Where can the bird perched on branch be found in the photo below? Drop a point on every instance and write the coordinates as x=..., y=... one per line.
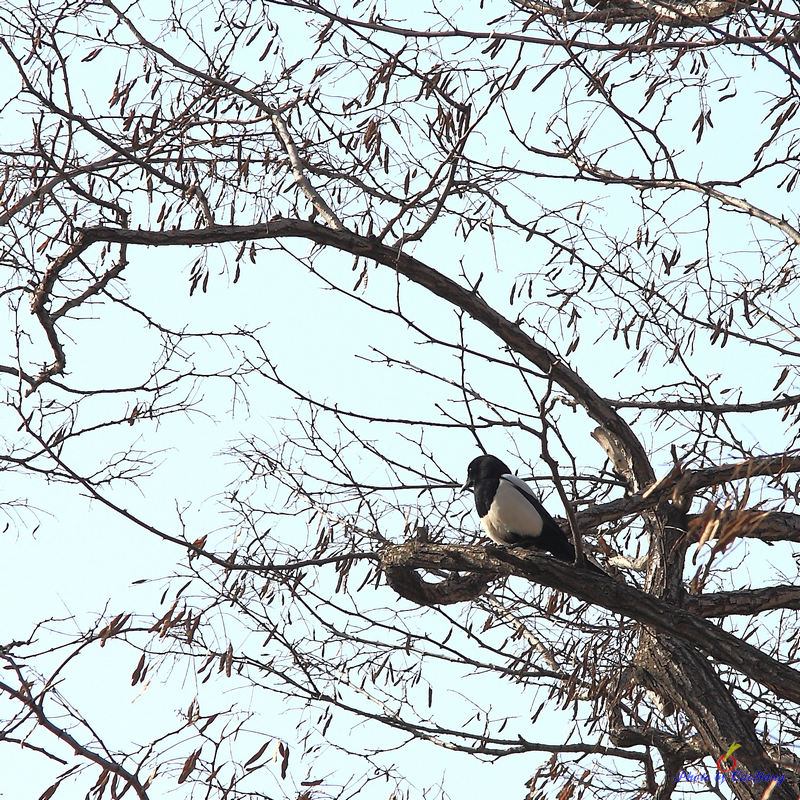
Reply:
x=511, y=513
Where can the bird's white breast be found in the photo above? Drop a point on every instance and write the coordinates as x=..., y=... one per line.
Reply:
x=511, y=512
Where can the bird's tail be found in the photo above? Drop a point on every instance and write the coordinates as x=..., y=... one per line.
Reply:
x=564, y=551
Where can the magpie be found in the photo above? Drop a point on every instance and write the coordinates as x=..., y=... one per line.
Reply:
x=511, y=513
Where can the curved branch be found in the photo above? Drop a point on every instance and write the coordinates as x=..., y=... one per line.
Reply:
x=409, y=584
x=417, y=272
x=662, y=617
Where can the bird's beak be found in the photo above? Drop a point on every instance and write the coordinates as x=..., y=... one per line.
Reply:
x=467, y=485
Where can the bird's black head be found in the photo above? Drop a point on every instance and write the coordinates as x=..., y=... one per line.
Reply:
x=483, y=468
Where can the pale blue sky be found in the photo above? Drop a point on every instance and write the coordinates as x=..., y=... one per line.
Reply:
x=82, y=557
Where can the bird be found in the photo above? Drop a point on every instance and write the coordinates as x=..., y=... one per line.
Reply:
x=511, y=513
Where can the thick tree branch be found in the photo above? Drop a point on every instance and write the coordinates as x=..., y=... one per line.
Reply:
x=744, y=601
x=660, y=616
x=686, y=481
x=684, y=676
x=786, y=401
x=417, y=272
x=768, y=526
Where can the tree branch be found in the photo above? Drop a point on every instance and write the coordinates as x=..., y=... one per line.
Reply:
x=744, y=601
x=620, y=598
x=112, y=766
x=417, y=272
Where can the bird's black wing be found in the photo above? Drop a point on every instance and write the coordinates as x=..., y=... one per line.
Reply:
x=552, y=538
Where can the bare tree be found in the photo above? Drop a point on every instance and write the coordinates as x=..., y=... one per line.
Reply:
x=564, y=233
